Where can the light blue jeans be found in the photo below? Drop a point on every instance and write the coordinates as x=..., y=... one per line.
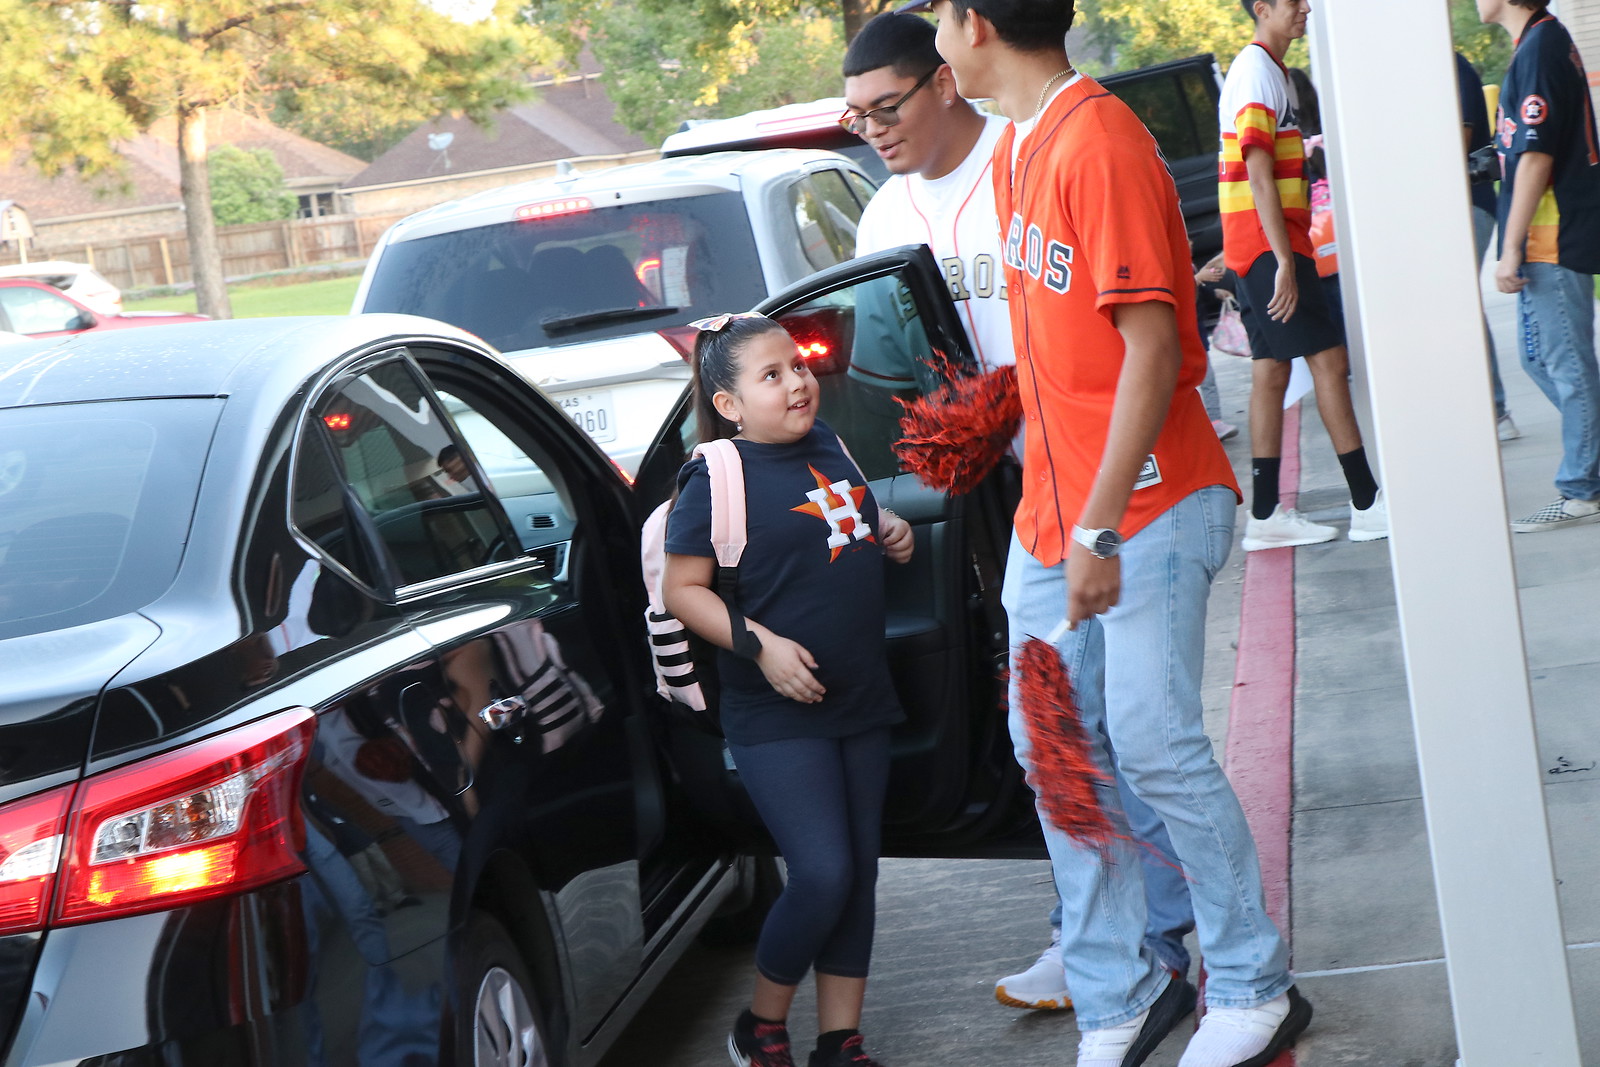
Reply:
x=1557, y=311
x=1482, y=230
x=1135, y=673
x=1169, y=914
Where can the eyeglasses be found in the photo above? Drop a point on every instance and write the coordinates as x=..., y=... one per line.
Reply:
x=717, y=322
x=888, y=115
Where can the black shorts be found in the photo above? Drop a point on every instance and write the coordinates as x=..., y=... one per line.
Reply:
x=1312, y=328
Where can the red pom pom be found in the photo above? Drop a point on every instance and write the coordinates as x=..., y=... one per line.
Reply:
x=952, y=437
x=1064, y=776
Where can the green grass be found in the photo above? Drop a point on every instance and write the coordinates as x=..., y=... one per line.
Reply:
x=325, y=296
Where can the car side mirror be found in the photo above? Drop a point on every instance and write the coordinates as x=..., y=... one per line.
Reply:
x=85, y=320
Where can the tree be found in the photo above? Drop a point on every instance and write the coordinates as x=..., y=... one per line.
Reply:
x=248, y=187
x=98, y=70
x=1488, y=47
x=669, y=60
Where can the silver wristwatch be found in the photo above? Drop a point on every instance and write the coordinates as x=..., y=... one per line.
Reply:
x=1102, y=543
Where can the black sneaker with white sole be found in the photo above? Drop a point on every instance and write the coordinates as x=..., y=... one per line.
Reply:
x=755, y=1042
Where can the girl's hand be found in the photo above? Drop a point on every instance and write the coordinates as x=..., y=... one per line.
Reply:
x=895, y=536
x=787, y=667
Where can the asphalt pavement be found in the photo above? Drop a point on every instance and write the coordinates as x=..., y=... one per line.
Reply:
x=1355, y=879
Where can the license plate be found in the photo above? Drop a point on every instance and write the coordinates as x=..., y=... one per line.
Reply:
x=593, y=413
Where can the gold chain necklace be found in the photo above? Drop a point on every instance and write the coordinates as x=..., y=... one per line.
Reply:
x=1046, y=90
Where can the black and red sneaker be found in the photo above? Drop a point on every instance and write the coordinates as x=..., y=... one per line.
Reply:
x=755, y=1042
x=849, y=1054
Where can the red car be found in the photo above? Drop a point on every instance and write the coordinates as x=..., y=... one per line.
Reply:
x=40, y=310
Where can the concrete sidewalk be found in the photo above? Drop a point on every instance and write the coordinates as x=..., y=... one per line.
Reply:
x=1363, y=922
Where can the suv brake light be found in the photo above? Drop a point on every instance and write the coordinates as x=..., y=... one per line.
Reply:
x=569, y=205
x=217, y=817
x=682, y=338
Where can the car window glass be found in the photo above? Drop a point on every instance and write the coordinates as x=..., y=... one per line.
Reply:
x=95, y=504
x=862, y=188
x=814, y=219
x=537, y=506
x=323, y=512
x=841, y=209
x=409, y=475
x=1164, y=106
x=867, y=346
x=37, y=311
x=579, y=273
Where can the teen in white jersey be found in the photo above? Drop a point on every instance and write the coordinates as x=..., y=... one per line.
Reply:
x=939, y=151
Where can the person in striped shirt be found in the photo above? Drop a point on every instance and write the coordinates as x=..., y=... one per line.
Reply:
x=1265, y=202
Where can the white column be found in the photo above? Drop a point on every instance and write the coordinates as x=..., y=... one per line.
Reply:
x=1407, y=261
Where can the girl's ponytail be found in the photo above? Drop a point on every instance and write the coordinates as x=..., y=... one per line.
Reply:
x=716, y=368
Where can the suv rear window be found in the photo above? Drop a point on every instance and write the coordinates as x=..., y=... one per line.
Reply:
x=608, y=271
x=95, y=502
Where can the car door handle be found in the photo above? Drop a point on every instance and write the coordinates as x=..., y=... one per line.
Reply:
x=503, y=713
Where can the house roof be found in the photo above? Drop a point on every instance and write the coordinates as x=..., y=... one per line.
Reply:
x=151, y=175
x=567, y=118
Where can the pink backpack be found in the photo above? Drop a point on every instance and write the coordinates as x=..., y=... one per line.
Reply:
x=685, y=665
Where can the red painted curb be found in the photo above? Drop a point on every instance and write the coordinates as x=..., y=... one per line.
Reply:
x=1259, y=757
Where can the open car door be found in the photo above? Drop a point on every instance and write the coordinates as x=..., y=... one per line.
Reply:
x=869, y=329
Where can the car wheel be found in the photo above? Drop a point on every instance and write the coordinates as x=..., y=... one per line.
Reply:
x=764, y=880
x=499, y=1023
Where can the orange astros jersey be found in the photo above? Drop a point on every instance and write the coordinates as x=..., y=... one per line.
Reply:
x=1091, y=220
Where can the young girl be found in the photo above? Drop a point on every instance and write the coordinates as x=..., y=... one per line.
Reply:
x=807, y=701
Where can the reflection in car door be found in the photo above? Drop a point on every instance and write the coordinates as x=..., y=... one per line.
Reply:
x=501, y=746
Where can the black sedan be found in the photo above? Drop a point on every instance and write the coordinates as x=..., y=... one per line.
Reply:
x=327, y=731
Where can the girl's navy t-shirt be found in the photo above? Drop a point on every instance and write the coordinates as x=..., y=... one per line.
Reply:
x=812, y=571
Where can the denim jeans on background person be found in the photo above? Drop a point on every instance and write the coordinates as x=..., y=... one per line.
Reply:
x=1136, y=680
x=1557, y=312
x=1482, y=230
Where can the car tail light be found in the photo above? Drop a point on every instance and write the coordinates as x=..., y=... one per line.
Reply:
x=217, y=817
x=681, y=338
x=569, y=205
x=813, y=350
x=31, y=836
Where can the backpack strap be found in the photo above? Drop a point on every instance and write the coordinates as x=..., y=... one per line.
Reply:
x=729, y=534
x=728, y=525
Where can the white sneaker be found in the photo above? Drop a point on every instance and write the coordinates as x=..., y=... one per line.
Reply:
x=1285, y=528
x=1111, y=1045
x=1371, y=524
x=1505, y=429
x=1042, y=987
x=1563, y=512
x=1248, y=1037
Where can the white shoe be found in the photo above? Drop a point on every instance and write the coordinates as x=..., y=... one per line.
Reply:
x=1042, y=987
x=1248, y=1037
x=1371, y=524
x=1563, y=512
x=1505, y=429
x=1285, y=528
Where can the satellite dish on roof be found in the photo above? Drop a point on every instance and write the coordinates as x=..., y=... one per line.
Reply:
x=440, y=141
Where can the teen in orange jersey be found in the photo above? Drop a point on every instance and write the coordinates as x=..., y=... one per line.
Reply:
x=1127, y=515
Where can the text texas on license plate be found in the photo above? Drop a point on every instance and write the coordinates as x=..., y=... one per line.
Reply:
x=593, y=413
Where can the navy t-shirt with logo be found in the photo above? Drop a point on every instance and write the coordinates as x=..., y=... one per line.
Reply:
x=1545, y=107
x=812, y=571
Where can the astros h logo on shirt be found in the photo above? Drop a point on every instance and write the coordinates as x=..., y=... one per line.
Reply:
x=839, y=505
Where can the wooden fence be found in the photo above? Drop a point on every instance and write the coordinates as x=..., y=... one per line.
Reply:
x=253, y=248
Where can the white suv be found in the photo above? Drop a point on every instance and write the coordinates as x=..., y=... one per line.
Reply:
x=586, y=283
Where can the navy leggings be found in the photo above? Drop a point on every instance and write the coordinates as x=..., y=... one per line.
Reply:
x=822, y=800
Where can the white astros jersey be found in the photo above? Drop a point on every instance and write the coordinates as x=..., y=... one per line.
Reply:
x=954, y=216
